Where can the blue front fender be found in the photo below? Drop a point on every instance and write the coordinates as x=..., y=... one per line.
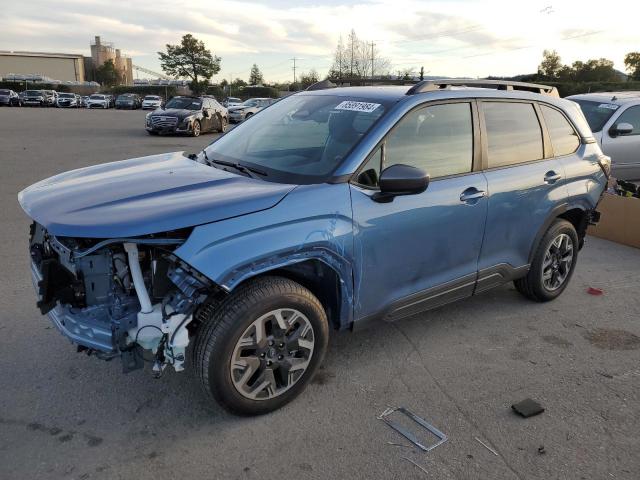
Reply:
x=297, y=229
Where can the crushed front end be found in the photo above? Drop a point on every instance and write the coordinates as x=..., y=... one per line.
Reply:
x=118, y=297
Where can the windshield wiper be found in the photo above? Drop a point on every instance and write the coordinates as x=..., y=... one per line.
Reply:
x=249, y=171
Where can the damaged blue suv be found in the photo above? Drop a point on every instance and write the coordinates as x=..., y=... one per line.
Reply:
x=324, y=211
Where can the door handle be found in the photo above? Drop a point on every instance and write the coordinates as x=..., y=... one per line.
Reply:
x=471, y=194
x=551, y=177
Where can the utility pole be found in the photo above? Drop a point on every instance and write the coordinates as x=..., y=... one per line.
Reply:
x=340, y=48
x=294, y=69
x=372, y=68
x=351, y=67
x=421, y=73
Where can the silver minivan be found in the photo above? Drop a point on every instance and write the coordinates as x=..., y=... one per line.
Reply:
x=614, y=118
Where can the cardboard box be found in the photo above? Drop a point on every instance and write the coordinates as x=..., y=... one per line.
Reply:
x=619, y=220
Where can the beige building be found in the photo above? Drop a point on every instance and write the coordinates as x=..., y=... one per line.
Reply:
x=58, y=66
x=101, y=52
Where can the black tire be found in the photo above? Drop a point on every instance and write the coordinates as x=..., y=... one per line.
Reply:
x=151, y=132
x=532, y=285
x=225, y=323
x=248, y=115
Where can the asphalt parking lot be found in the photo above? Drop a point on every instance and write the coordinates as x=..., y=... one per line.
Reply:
x=64, y=415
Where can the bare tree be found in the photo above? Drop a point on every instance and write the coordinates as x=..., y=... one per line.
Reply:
x=357, y=58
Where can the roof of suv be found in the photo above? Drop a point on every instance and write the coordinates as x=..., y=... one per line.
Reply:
x=618, y=98
x=454, y=89
x=397, y=93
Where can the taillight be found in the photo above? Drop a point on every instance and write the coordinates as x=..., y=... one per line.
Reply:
x=605, y=164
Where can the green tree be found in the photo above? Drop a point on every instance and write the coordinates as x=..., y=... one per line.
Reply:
x=107, y=74
x=192, y=60
x=632, y=62
x=255, y=76
x=594, y=70
x=551, y=64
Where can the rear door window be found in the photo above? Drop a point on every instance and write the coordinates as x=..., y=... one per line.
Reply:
x=564, y=139
x=513, y=133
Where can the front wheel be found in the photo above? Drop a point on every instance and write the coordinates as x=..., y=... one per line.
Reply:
x=553, y=263
x=196, y=128
x=224, y=124
x=257, y=350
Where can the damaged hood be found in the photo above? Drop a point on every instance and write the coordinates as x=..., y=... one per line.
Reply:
x=144, y=195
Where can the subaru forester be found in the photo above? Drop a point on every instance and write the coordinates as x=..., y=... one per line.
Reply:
x=327, y=210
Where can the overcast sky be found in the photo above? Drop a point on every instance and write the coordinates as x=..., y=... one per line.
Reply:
x=452, y=38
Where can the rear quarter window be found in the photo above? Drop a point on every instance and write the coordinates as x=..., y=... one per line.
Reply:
x=513, y=133
x=563, y=137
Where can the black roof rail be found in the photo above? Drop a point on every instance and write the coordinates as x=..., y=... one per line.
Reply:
x=434, y=85
x=321, y=85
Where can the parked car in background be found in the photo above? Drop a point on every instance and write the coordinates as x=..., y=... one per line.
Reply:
x=51, y=97
x=248, y=108
x=128, y=100
x=10, y=98
x=231, y=102
x=98, y=100
x=34, y=98
x=68, y=100
x=188, y=115
x=614, y=118
x=330, y=209
x=151, y=102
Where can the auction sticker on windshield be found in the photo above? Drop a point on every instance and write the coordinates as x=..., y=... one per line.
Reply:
x=610, y=106
x=357, y=106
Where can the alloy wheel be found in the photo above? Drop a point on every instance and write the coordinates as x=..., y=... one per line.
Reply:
x=557, y=262
x=272, y=354
x=196, y=128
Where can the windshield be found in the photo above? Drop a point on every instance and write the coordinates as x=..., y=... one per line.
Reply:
x=151, y=97
x=184, y=103
x=250, y=103
x=597, y=113
x=125, y=97
x=66, y=95
x=33, y=92
x=5, y=92
x=300, y=139
x=97, y=97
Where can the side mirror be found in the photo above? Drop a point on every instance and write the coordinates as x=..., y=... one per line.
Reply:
x=621, y=129
x=399, y=180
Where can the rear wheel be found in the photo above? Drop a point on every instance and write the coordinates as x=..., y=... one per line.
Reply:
x=259, y=348
x=246, y=117
x=553, y=263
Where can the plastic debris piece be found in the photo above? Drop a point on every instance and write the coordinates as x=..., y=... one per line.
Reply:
x=416, y=464
x=595, y=291
x=409, y=435
x=486, y=446
x=527, y=408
